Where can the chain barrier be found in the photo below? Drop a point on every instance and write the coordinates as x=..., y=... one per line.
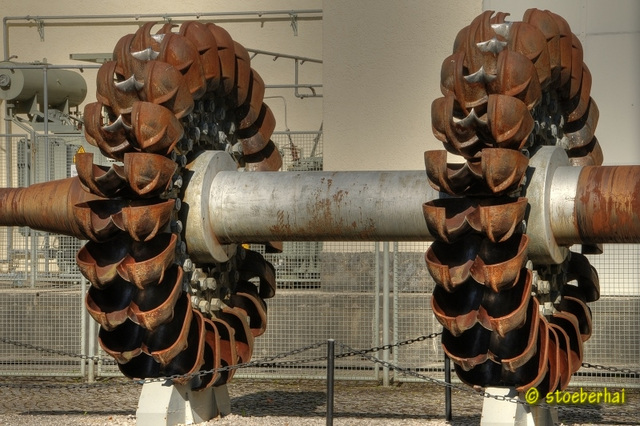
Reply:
x=388, y=346
x=273, y=361
x=410, y=372
x=266, y=362
x=54, y=351
x=611, y=369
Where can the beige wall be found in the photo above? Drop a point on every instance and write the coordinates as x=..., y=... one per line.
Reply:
x=80, y=35
x=382, y=71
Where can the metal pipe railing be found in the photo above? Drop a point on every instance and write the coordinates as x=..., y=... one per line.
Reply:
x=292, y=14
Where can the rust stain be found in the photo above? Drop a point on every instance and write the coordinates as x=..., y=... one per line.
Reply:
x=609, y=204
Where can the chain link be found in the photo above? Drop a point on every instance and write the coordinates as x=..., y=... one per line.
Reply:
x=354, y=352
x=266, y=362
x=612, y=369
x=55, y=351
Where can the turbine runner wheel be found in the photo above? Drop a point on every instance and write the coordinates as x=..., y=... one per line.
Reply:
x=509, y=88
x=165, y=99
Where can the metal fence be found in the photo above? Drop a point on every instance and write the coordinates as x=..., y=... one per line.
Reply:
x=41, y=290
x=361, y=294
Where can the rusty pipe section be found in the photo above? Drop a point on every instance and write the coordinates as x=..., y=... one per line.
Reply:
x=45, y=206
x=596, y=204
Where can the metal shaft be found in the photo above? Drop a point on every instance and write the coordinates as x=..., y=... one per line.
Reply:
x=320, y=206
x=601, y=206
x=585, y=205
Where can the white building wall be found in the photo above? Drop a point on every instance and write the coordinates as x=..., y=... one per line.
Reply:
x=381, y=72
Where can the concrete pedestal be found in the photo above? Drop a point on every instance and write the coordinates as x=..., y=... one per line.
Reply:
x=506, y=413
x=166, y=404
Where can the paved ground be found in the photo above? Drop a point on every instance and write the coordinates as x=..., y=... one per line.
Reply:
x=26, y=401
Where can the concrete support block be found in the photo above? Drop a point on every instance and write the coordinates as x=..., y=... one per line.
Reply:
x=166, y=404
x=507, y=413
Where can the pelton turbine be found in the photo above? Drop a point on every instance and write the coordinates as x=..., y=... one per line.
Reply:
x=180, y=112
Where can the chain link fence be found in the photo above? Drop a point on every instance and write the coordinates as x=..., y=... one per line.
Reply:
x=357, y=293
x=41, y=290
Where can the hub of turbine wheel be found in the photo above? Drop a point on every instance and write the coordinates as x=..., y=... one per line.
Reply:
x=510, y=90
x=166, y=100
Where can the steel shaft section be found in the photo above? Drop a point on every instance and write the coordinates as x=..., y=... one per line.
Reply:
x=320, y=206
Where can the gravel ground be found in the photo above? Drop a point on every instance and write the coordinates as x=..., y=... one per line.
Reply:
x=65, y=402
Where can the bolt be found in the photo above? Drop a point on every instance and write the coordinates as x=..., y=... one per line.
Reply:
x=187, y=265
x=196, y=133
x=547, y=309
x=204, y=306
x=210, y=283
x=234, y=277
x=176, y=226
x=222, y=136
x=194, y=301
x=543, y=287
x=536, y=127
x=215, y=305
x=178, y=181
x=197, y=277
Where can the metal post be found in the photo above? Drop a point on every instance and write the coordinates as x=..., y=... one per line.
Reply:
x=385, y=311
x=83, y=326
x=91, y=377
x=8, y=169
x=330, y=379
x=447, y=389
x=396, y=295
x=47, y=154
x=376, y=308
x=33, y=254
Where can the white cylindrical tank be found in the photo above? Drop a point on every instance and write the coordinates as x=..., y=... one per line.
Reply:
x=23, y=84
